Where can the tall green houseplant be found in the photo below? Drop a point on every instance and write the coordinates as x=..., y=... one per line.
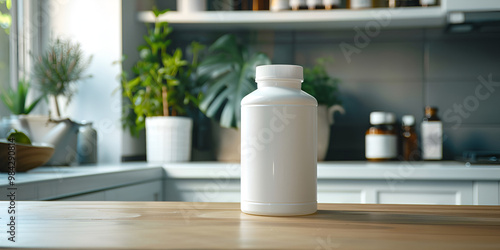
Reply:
x=59, y=68
x=229, y=73
x=161, y=86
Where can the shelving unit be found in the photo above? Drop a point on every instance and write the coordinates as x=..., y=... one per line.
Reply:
x=412, y=17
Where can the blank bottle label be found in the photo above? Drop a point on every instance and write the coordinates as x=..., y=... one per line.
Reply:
x=432, y=140
x=381, y=146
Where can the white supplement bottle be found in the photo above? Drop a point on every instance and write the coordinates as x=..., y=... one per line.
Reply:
x=278, y=145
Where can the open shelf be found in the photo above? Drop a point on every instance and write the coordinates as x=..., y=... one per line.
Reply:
x=410, y=17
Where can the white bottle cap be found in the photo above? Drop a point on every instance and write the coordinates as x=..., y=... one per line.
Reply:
x=377, y=118
x=278, y=71
x=408, y=120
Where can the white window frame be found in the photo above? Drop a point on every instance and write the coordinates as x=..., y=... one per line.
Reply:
x=25, y=38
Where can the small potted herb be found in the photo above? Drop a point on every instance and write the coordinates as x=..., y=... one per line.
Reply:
x=59, y=68
x=16, y=102
x=324, y=88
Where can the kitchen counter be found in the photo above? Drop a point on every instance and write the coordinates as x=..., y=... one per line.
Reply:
x=445, y=170
x=443, y=183
x=48, y=183
x=163, y=225
x=359, y=170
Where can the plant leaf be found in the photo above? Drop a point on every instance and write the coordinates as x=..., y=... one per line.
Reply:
x=228, y=78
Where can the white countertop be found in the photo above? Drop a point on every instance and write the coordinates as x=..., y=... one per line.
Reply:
x=361, y=170
x=118, y=174
x=45, y=173
x=48, y=183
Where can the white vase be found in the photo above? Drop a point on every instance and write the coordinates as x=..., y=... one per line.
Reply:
x=325, y=120
x=12, y=122
x=168, y=139
x=38, y=126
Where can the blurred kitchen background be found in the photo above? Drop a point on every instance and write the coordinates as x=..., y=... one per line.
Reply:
x=428, y=60
x=399, y=70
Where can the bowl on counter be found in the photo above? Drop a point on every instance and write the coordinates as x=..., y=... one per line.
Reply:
x=26, y=156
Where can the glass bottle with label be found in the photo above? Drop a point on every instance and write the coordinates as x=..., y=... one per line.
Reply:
x=432, y=135
x=409, y=140
x=381, y=140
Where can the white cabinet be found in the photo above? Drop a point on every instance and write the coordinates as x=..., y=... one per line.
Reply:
x=150, y=191
x=408, y=192
x=124, y=182
x=439, y=183
x=339, y=191
x=202, y=190
x=96, y=196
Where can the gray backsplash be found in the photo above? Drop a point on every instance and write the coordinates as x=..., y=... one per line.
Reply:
x=399, y=71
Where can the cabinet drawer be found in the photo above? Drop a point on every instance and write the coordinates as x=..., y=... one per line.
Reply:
x=202, y=190
x=403, y=192
x=149, y=191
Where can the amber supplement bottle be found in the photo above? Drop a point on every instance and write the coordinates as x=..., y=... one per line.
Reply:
x=432, y=135
x=260, y=4
x=380, y=139
x=409, y=139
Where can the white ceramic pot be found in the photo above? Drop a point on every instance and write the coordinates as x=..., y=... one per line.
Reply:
x=12, y=122
x=325, y=120
x=38, y=126
x=168, y=139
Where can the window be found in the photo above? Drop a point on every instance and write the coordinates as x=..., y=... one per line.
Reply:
x=19, y=38
x=5, y=27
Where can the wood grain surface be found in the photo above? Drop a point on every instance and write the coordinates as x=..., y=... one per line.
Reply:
x=180, y=225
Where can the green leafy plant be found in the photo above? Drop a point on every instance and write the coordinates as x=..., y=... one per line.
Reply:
x=16, y=101
x=319, y=84
x=5, y=18
x=59, y=67
x=163, y=85
x=229, y=72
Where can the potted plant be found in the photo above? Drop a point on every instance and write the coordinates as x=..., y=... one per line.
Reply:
x=158, y=98
x=228, y=71
x=324, y=88
x=59, y=68
x=16, y=102
x=57, y=71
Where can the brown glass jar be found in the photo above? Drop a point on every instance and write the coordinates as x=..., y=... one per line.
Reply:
x=380, y=138
x=260, y=5
x=432, y=135
x=409, y=139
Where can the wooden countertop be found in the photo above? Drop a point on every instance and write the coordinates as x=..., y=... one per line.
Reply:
x=161, y=225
